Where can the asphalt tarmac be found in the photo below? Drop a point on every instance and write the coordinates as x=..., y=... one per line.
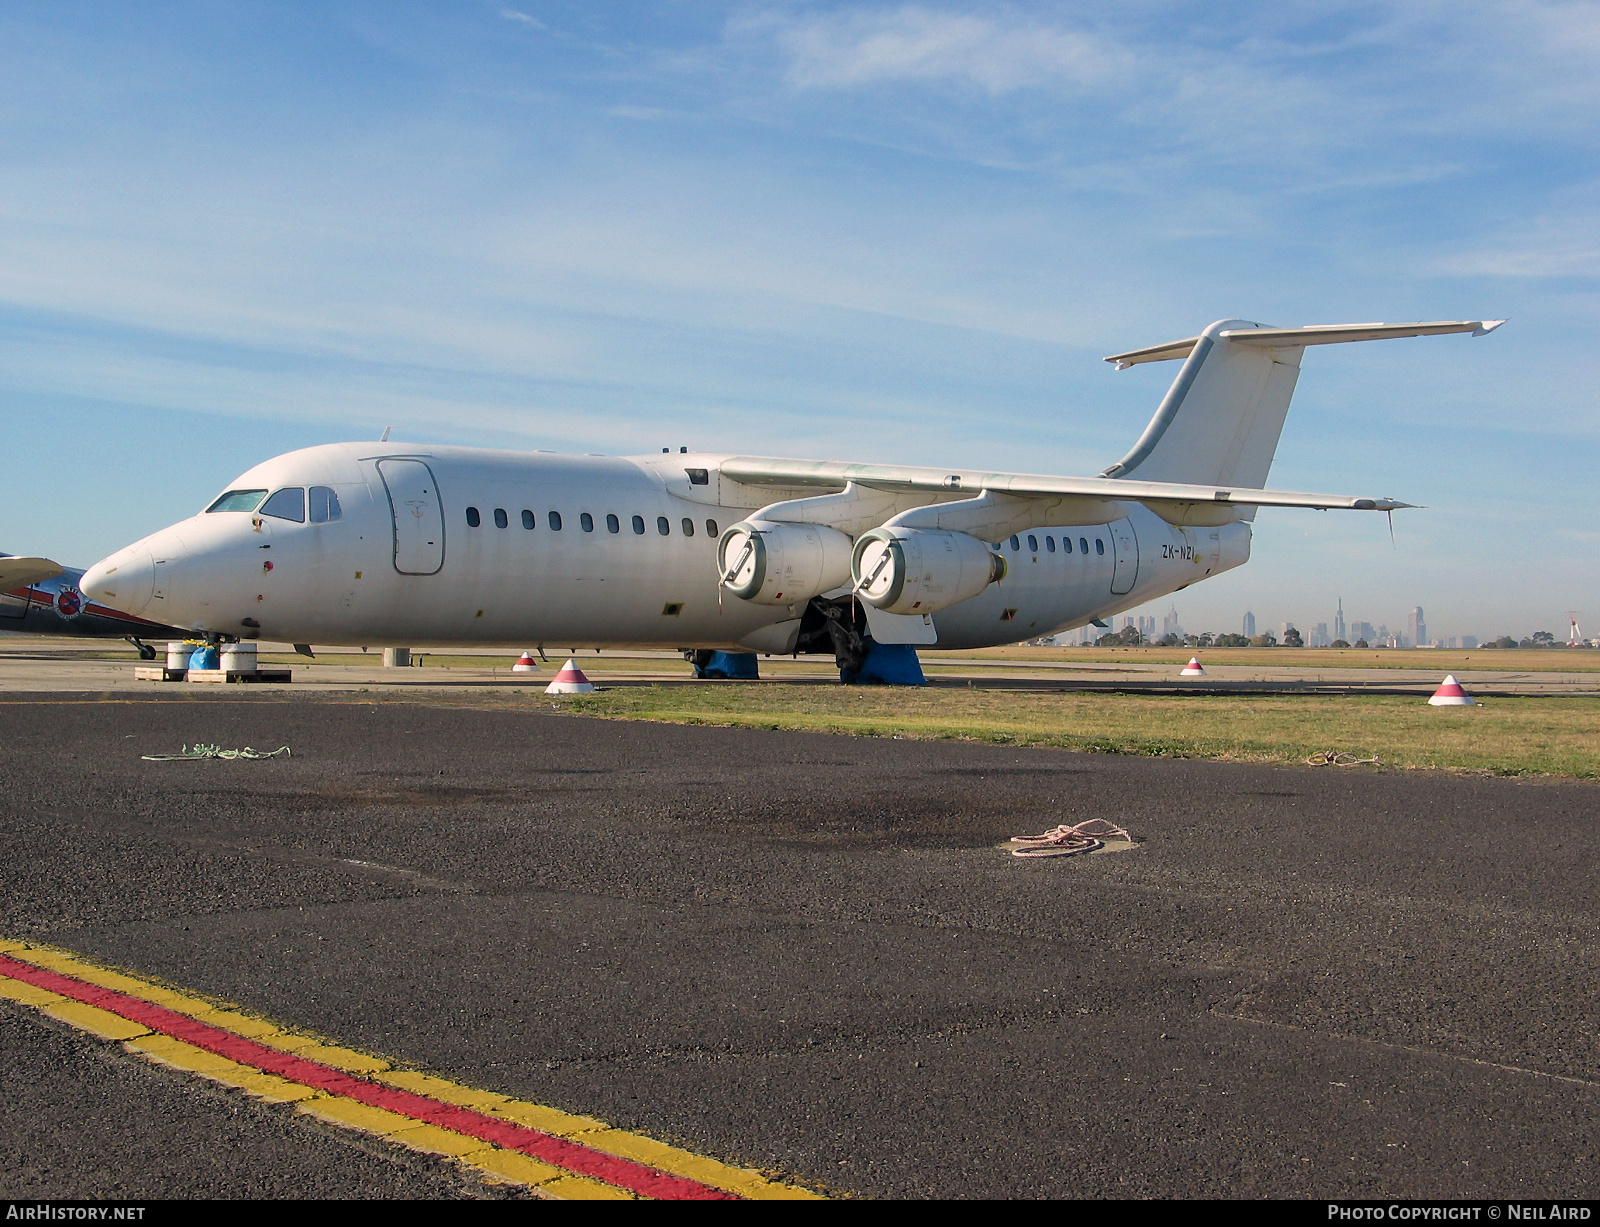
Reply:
x=803, y=953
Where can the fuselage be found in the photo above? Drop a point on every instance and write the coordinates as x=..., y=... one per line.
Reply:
x=394, y=545
x=58, y=607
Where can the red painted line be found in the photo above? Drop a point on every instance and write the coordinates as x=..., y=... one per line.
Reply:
x=105, y=611
x=573, y=1156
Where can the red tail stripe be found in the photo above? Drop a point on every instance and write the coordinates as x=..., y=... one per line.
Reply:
x=573, y=1156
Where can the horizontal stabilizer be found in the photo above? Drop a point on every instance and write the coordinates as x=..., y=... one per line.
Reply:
x=1315, y=334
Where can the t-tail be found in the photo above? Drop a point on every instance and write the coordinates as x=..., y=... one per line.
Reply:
x=1220, y=421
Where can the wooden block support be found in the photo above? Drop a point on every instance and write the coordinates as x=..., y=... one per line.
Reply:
x=260, y=675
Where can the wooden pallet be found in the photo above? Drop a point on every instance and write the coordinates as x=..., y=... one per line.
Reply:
x=228, y=675
x=157, y=673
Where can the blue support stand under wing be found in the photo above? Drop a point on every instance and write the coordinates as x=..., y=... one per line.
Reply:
x=887, y=664
x=733, y=666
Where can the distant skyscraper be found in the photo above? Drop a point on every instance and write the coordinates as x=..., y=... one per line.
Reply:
x=1169, y=623
x=1338, y=621
x=1417, y=628
x=1147, y=627
x=1363, y=630
x=1249, y=625
x=1319, y=637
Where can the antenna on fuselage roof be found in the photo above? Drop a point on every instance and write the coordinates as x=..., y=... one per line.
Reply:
x=384, y=437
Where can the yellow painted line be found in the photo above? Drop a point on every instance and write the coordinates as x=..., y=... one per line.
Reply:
x=514, y=1168
x=106, y=1025
x=550, y=1120
x=499, y=1164
x=341, y=1111
x=659, y=1155
x=27, y=994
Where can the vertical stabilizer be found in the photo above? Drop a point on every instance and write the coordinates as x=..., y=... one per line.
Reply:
x=1221, y=419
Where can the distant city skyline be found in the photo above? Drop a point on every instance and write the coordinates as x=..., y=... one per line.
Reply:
x=1345, y=627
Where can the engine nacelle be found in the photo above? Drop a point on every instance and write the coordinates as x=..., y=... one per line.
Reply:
x=919, y=571
x=782, y=564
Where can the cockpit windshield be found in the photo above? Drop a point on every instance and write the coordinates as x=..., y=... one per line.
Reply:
x=287, y=504
x=238, y=500
x=324, y=504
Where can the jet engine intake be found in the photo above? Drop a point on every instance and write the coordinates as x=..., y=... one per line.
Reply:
x=919, y=571
x=782, y=564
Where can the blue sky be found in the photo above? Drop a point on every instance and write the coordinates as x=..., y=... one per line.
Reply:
x=902, y=232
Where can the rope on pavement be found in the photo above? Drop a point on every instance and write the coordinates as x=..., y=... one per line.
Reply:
x=1338, y=758
x=200, y=750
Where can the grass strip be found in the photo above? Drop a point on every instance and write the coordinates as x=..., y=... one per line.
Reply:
x=1507, y=737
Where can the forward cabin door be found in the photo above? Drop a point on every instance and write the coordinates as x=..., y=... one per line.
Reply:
x=1125, y=544
x=418, y=517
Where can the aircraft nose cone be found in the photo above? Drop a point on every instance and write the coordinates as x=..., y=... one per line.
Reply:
x=124, y=581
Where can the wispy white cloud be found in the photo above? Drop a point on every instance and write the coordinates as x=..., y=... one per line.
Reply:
x=1553, y=254
x=1560, y=240
x=526, y=19
x=1292, y=85
x=912, y=43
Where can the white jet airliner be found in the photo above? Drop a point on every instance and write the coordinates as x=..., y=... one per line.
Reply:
x=372, y=544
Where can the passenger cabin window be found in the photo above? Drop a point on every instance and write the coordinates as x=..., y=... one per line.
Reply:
x=238, y=500
x=528, y=520
x=1015, y=544
x=473, y=518
x=287, y=504
x=613, y=525
x=586, y=522
x=711, y=528
x=1033, y=544
x=1066, y=544
x=663, y=526
x=1083, y=545
x=638, y=525
x=688, y=527
x=1099, y=546
x=500, y=517
x=555, y=520
x=324, y=505
x=1050, y=544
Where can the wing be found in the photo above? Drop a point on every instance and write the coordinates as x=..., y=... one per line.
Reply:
x=834, y=474
x=20, y=572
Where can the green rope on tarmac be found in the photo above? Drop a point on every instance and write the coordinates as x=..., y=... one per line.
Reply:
x=200, y=750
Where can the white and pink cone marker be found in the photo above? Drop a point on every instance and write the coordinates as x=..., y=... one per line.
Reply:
x=570, y=680
x=1450, y=694
x=1192, y=669
x=525, y=664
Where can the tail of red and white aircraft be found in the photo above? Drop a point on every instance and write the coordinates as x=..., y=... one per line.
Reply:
x=41, y=597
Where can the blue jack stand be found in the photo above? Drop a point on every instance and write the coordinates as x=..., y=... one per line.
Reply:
x=887, y=664
x=732, y=666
